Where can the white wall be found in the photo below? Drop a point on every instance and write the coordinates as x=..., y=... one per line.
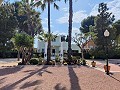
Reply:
x=75, y=47
x=41, y=45
x=57, y=43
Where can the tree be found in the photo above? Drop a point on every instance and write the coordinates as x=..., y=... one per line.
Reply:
x=80, y=39
x=104, y=21
x=43, y=6
x=23, y=43
x=116, y=25
x=45, y=36
x=70, y=30
x=28, y=18
x=86, y=23
x=8, y=25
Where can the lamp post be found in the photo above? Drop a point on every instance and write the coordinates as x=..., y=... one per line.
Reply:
x=106, y=34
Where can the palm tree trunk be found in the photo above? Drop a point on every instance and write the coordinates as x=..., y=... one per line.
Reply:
x=70, y=31
x=49, y=41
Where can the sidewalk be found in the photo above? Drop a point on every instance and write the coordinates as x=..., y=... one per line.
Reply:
x=9, y=62
x=100, y=66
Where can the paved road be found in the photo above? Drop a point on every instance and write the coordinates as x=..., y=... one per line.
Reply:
x=57, y=78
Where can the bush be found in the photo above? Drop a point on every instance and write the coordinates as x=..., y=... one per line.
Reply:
x=57, y=58
x=74, y=59
x=20, y=63
x=8, y=54
x=41, y=60
x=34, y=61
x=36, y=55
x=83, y=61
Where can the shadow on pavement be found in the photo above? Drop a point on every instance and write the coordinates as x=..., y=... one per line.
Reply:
x=114, y=78
x=2, y=80
x=10, y=70
x=32, y=83
x=73, y=79
x=58, y=87
x=13, y=85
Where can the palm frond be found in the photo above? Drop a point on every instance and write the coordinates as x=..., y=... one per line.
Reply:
x=43, y=6
x=56, y=6
x=66, y=1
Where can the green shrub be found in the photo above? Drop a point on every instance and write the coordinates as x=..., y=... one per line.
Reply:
x=53, y=62
x=83, y=61
x=50, y=63
x=20, y=63
x=34, y=61
x=41, y=60
x=57, y=58
x=74, y=59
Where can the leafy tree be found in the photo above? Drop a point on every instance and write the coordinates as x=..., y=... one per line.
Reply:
x=8, y=25
x=23, y=43
x=116, y=25
x=104, y=21
x=80, y=39
x=86, y=23
x=29, y=19
x=45, y=36
x=43, y=6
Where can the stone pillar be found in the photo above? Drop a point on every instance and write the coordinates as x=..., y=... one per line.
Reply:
x=45, y=54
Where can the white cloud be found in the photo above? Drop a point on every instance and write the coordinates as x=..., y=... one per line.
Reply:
x=65, y=9
x=45, y=21
x=75, y=30
x=63, y=19
x=94, y=11
x=77, y=17
x=114, y=7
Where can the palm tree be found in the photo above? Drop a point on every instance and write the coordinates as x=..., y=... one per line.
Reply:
x=29, y=19
x=1, y=1
x=43, y=6
x=70, y=30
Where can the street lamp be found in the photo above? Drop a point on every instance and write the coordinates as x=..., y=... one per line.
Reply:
x=106, y=34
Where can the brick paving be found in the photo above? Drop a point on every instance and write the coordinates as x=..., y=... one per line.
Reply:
x=57, y=78
x=100, y=64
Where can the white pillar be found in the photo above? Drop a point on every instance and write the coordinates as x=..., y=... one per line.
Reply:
x=61, y=51
x=45, y=54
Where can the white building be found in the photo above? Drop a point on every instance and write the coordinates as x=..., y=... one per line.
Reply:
x=58, y=47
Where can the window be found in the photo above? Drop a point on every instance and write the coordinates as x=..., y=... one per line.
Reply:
x=42, y=50
x=53, y=50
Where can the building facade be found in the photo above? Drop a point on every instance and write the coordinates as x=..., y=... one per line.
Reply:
x=58, y=47
x=89, y=45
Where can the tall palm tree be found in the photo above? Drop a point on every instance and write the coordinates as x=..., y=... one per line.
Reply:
x=43, y=6
x=70, y=30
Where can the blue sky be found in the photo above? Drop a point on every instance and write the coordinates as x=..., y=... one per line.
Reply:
x=81, y=10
